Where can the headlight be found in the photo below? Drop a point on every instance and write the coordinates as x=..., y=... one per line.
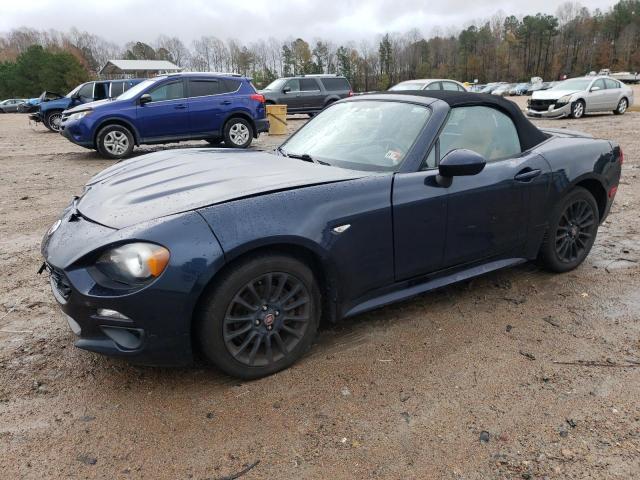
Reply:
x=565, y=99
x=134, y=263
x=78, y=115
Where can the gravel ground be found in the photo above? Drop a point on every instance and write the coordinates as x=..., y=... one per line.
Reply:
x=464, y=383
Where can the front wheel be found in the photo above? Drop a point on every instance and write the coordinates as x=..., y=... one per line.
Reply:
x=623, y=104
x=53, y=120
x=572, y=230
x=260, y=317
x=577, y=109
x=114, y=141
x=238, y=133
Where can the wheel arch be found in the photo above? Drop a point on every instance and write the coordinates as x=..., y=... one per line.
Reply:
x=244, y=115
x=300, y=249
x=116, y=121
x=329, y=100
x=595, y=187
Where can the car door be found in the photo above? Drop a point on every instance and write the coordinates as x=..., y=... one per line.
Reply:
x=207, y=105
x=311, y=94
x=291, y=95
x=597, y=96
x=613, y=91
x=488, y=213
x=167, y=114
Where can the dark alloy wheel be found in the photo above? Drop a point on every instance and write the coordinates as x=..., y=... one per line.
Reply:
x=571, y=232
x=261, y=317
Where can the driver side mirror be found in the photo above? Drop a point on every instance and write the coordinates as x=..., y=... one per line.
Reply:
x=457, y=163
x=286, y=89
x=145, y=98
x=594, y=89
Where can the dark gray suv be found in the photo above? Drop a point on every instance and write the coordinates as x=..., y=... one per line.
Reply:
x=307, y=93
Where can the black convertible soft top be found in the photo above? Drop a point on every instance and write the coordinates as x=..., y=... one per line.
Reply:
x=529, y=134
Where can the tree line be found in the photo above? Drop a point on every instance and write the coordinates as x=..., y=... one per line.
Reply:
x=573, y=41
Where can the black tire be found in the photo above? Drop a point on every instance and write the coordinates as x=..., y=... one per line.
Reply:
x=577, y=109
x=52, y=120
x=224, y=312
x=238, y=133
x=114, y=141
x=572, y=229
x=214, y=142
x=622, y=106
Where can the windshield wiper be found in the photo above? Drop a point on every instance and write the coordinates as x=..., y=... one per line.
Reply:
x=301, y=156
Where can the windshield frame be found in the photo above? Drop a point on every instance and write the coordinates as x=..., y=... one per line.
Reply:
x=410, y=156
x=139, y=88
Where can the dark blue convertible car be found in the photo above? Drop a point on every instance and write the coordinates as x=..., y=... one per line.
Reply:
x=237, y=256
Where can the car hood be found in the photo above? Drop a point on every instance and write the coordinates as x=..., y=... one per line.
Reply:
x=174, y=181
x=551, y=94
x=92, y=105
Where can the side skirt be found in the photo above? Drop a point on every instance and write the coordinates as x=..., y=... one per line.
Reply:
x=407, y=290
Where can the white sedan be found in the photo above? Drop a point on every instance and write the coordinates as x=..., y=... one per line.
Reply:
x=430, y=84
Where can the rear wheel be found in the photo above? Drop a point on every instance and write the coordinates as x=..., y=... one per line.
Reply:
x=238, y=133
x=577, y=109
x=53, y=120
x=623, y=104
x=260, y=317
x=572, y=230
x=114, y=141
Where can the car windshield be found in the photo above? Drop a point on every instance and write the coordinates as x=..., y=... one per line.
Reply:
x=408, y=86
x=139, y=88
x=74, y=91
x=276, y=84
x=371, y=135
x=573, y=84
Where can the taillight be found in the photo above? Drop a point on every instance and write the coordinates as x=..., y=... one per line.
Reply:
x=351, y=93
x=257, y=97
x=613, y=191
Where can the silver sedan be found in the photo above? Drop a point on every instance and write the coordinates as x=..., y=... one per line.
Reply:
x=577, y=96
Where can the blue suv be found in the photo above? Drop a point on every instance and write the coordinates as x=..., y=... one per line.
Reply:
x=52, y=105
x=171, y=108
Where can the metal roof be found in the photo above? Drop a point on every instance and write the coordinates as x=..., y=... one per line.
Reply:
x=122, y=66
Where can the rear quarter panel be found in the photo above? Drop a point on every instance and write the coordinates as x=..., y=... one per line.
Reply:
x=575, y=159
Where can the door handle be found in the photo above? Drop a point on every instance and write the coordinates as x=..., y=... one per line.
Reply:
x=226, y=102
x=527, y=175
x=180, y=107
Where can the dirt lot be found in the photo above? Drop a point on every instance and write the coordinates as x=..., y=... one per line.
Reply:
x=464, y=383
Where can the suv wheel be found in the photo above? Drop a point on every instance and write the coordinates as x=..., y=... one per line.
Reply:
x=238, y=133
x=114, y=141
x=52, y=120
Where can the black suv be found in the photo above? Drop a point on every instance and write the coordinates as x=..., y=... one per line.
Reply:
x=307, y=93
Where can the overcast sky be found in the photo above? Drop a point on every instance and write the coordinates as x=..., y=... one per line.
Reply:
x=246, y=20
